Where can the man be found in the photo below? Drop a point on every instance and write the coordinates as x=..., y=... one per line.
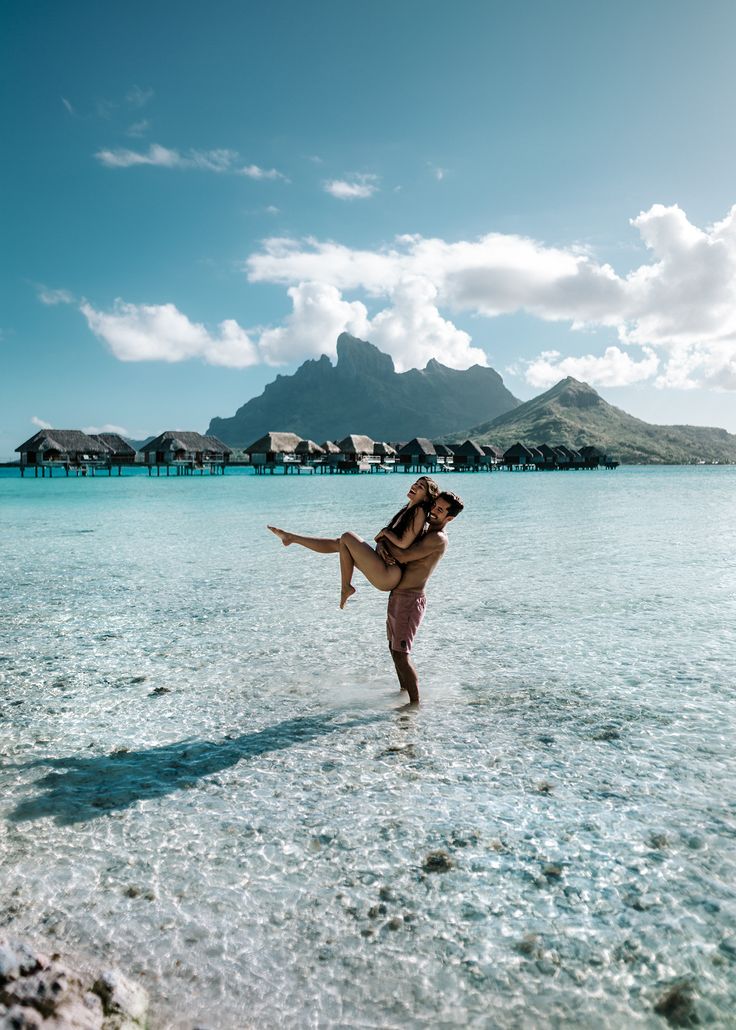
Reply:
x=407, y=601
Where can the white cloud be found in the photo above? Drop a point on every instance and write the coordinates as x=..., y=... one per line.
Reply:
x=107, y=428
x=39, y=422
x=413, y=331
x=680, y=306
x=157, y=155
x=272, y=210
x=319, y=315
x=437, y=172
x=613, y=368
x=67, y=104
x=53, y=297
x=159, y=332
x=255, y=172
x=219, y=161
x=358, y=187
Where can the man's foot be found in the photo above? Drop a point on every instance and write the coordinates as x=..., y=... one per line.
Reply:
x=283, y=536
x=345, y=594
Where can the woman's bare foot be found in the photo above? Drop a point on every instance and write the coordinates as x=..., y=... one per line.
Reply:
x=345, y=594
x=283, y=536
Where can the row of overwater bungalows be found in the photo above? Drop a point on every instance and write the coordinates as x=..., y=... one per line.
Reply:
x=75, y=449
x=361, y=453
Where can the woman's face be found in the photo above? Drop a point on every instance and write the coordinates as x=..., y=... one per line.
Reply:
x=418, y=492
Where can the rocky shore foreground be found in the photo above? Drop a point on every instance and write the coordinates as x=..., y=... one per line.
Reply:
x=41, y=992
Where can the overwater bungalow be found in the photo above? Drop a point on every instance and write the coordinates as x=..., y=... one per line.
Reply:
x=592, y=456
x=518, y=456
x=445, y=457
x=273, y=449
x=385, y=453
x=549, y=456
x=120, y=451
x=469, y=455
x=356, y=453
x=355, y=447
x=419, y=454
x=177, y=448
x=66, y=447
x=308, y=452
x=537, y=457
x=569, y=458
x=493, y=455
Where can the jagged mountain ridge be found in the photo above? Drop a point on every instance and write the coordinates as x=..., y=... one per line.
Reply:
x=574, y=414
x=363, y=393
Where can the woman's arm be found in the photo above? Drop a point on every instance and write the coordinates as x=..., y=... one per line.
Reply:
x=410, y=534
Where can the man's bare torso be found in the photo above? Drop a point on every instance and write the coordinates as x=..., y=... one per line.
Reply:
x=416, y=573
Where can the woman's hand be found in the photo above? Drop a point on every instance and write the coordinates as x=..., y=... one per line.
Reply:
x=385, y=555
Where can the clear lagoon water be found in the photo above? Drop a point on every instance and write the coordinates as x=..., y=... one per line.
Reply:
x=208, y=777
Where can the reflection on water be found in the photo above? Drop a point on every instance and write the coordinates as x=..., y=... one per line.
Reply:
x=208, y=775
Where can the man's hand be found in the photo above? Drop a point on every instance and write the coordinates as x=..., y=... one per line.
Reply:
x=384, y=554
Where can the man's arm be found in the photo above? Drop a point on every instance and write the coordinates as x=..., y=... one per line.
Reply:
x=430, y=543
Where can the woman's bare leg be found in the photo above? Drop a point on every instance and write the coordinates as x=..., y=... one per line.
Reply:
x=347, y=565
x=362, y=555
x=320, y=544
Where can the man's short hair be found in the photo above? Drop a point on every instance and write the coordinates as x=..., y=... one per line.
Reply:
x=454, y=504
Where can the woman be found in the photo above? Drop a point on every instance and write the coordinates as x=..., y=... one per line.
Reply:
x=401, y=532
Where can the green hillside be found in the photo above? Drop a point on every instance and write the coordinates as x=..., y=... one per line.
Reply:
x=572, y=413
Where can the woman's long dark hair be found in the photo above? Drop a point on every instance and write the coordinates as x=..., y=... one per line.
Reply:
x=404, y=517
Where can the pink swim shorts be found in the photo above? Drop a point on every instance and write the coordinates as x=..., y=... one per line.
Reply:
x=404, y=617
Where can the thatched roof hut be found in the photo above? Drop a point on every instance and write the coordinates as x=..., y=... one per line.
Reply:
x=518, y=454
x=179, y=445
x=442, y=450
x=354, y=446
x=281, y=443
x=470, y=449
x=120, y=451
x=383, y=450
x=71, y=446
x=330, y=447
x=420, y=452
x=549, y=454
x=492, y=452
x=306, y=449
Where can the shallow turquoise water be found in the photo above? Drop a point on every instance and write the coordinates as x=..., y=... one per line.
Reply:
x=208, y=777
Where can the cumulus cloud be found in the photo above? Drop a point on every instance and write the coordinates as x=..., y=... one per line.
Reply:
x=219, y=161
x=40, y=423
x=160, y=332
x=678, y=308
x=319, y=315
x=357, y=187
x=413, y=330
x=614, y=368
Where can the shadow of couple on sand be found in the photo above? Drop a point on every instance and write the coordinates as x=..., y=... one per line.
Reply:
x=80, y=788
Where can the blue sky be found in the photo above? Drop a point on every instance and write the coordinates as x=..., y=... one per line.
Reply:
x=196, y=197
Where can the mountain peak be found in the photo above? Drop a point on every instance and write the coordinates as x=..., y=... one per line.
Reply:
x=360, y=358
x=363, y=393
x=572, y=393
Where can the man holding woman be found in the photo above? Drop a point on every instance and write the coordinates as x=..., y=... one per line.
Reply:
x=407, y=552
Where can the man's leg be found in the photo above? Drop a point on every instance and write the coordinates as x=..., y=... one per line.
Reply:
x=407, y=675
x=320, y=544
